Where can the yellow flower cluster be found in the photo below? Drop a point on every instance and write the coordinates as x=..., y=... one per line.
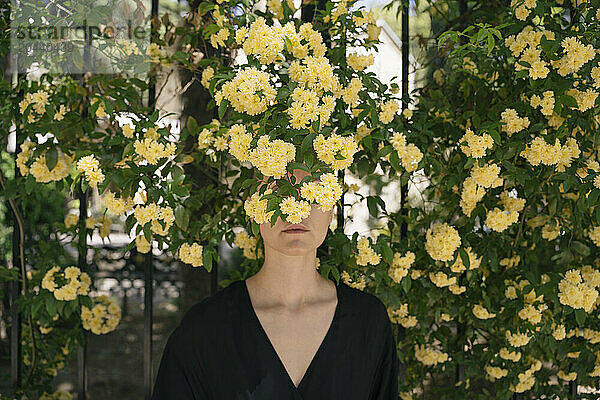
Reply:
x=360, y=284
x=276, y=8
x=518, y=44
x=90, y=166
x=100, y=111
x=305, y=108
x=265, y=41
x=153, y=50
x=409, y=154
x=338, y=10
x=575, y=56
x=361, y=131
x=585, y=100
x=257, y=209
x=388, y=110
x=578, y=293
x=103, y=317
x=152, y=213
x=596, y=74
x=248, y=244
x=367, y=20
x=550, y=231
x=366, y=255
x=150, y=150
x=517, y=339
x=272, y=157
x=104, y=230
x=400, y=265
x=594, y=234
x=40, y=171
x=527, y=379
x=567, y=377
x=117, y=206
x=510, y=355
x=476, y=145
x=128, y=131
x=442, y=241
x=191, y=254
x=498, y=219
x=473, y=186
x=546, y=102
x=482, y=313
x=71, y=220
x=316, y=73
x=327, y=149
x=350, y=94
x=207, y=75
x=218, y=39
x=26, y=150
x=474, y=262
x=250, y=91
x=296, y=210
x=142, y=245
x=494, y=373
x=78, y=283
x=39, y=100
x=360, y=62
x=400, y=316
x=58, y=395
x=512, y=123
x=440, y=279
x=538, y=151
x=325, y=193
x=239, y=143
x=533, y=315
x=129, y=47
x=429, y=356
x=558, y=331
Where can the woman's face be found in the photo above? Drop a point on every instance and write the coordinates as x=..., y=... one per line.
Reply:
x=297, y=243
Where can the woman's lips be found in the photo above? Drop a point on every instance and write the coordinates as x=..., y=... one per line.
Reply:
x=295, y=230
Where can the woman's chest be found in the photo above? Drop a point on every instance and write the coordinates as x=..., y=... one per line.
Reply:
x=241, y=364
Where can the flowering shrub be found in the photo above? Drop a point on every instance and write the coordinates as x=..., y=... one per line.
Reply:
x=501, y=245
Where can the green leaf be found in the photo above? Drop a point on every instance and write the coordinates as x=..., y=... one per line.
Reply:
x=192, y=125
x=580, y=248
x=464, y=257
x=406, y=284
x=223, y=108
x=182, y=217
x=255, y=228
x=51, y=158
x=207, y=259
x=372, y=206
x=147, y=233
x=568, y=101
x=388, y=254
x=580, y=316
x=495, y=135
x=51, y=307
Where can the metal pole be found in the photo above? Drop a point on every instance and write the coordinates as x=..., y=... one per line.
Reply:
x=82, y=263
x=403, y=188
x=148, y=258
x=16, y=350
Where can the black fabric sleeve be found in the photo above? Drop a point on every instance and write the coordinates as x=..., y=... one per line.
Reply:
x=174, y=379
x=385, y=383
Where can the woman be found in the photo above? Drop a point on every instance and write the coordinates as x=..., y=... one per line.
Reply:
x=285, y=333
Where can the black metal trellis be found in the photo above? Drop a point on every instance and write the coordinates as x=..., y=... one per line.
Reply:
x=401, y=336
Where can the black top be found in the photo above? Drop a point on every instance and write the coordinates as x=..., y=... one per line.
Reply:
x=220, y=351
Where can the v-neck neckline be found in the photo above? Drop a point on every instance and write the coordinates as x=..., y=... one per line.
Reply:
x=266, y=339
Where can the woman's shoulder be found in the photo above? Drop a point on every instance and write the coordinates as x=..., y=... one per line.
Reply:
x=213, y=309
x=363, y=304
